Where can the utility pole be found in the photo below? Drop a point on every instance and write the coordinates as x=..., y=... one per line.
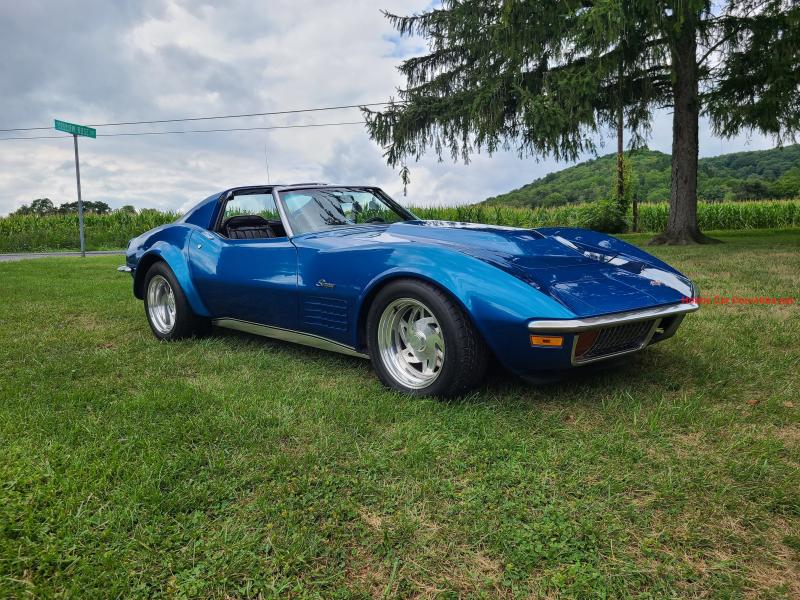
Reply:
x=77, y=130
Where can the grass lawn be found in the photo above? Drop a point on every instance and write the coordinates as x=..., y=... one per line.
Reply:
x=238, y=467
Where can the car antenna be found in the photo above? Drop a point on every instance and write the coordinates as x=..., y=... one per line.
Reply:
x=266, y=161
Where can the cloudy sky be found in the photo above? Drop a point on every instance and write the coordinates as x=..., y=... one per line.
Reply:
x=97, y=61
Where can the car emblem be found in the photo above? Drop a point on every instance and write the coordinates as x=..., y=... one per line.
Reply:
x=655, y=282
x=324, y=284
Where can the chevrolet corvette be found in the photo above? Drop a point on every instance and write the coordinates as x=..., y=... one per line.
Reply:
x=348, y=269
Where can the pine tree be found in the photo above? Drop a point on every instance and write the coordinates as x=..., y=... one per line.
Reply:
x=544, y=77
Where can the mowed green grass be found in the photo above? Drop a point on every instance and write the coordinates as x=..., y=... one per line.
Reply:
x=238, y=467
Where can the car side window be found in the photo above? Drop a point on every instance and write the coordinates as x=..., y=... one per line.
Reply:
x=252, y=204
x=251, y=216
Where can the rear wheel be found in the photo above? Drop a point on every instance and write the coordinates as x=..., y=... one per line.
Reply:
x=166, y=307
x=422, y=343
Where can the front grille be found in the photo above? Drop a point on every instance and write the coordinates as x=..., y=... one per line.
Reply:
x=619, y=338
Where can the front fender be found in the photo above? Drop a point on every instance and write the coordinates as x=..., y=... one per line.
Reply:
x=170, y=245
x=499, y=304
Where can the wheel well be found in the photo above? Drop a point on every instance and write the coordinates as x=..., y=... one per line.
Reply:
x=370, y=297
x=142, y=268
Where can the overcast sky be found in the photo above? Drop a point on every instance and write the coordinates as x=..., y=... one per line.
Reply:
x=95, y=61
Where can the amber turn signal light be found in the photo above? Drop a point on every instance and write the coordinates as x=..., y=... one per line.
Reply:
x=550, y=341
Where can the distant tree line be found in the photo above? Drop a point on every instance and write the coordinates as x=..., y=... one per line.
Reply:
x=759, y=175
x=42, y=207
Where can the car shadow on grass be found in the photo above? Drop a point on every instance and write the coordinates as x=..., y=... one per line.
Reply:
x=297, y=350
x=645, y=376
x=657, y=371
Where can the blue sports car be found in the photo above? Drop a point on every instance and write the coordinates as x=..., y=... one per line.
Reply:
x=346, y=268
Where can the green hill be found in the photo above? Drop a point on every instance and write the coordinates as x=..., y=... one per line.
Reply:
x=763, y=174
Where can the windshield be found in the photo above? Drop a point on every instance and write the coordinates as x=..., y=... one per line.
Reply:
x=321, y=209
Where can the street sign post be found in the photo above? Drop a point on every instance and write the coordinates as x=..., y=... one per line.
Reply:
x=77, y=130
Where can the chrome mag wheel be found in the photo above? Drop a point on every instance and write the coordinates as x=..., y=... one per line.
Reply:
x=411, y=343
x=161, y=304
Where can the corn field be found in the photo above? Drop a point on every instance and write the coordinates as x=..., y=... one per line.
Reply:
x=29, y=233
x=757, y=214
x=104, y=232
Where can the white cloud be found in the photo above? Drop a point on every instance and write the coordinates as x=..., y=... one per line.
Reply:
x=96, y=61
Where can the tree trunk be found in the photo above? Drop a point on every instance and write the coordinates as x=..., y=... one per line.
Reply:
x=620, y=158
x=682, y=223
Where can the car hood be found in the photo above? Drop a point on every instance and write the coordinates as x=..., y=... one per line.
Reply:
x=586, y=279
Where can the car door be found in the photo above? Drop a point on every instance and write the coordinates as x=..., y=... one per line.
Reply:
x=252, y=279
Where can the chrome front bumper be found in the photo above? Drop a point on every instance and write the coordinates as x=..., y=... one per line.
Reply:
x=623, y=318
x=661, y=323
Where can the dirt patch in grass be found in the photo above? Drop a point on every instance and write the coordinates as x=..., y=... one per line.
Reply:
x=85, y=322
x=778, y=568
x=789, y=435
x=471, y=572
x=365, y=573
x=374, y=521
x=689, y=445
x=429, y=564
x=770, y=568
x=481, y=571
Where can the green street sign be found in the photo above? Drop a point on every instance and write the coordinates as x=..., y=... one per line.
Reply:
x=76, y=129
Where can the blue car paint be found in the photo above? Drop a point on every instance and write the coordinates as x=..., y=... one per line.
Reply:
x=586, y=286
x=170, y=244
x=205, y=212
x=360, y=259
x=249, y=280
x=320, y=283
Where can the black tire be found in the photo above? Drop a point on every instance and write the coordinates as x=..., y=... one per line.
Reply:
x=465, y=357
x=186, y=323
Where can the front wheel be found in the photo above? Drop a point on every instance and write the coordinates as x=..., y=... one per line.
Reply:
x=422, y=343
x=166, y=307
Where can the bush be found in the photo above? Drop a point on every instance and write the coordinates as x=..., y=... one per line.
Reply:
x=606, y=216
